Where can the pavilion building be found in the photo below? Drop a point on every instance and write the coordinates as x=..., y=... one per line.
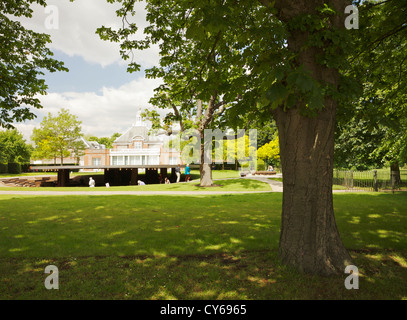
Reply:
x=137, y=146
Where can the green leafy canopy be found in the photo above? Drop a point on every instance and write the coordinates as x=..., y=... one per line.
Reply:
x=23, y=56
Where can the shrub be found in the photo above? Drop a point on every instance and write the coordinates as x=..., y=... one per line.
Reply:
x=261, y=166
x=14, y=168
x=25, y=167
x=3, y=168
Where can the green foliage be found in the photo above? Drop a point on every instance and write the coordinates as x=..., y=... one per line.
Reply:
x=14, y=168
x=155, y=119
x=356, y=146
x=23, y=55
x=3, y=168
x=372, y=128
x=25, y=167
x=270, y=152
x=266, y=133
x=107, y=141
x=13, y=147
x=235, y=54
x=58, y=137
x=201, y=57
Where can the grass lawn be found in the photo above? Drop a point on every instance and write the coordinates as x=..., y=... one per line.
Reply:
x=195, y=247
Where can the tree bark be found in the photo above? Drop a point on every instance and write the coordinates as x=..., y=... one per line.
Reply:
x=309, y=239
x=395, y=174
x=205, y=166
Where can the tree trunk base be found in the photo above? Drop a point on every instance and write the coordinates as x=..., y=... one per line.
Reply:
x=206, y=175
x=318, y=263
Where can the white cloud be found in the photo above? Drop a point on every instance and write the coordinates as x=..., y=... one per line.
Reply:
x=78, y=22
x=102, y=115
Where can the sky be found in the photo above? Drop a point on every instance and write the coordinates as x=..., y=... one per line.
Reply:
x=97, y=89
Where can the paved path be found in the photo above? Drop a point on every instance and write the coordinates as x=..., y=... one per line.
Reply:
x=139, y=193
x=275, y=186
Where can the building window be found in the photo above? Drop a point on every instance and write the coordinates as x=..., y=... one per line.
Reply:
x=173, y=160
x=96, y=162
x=138, y=144
x=154, y=160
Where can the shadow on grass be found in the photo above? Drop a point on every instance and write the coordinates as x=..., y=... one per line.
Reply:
x=252, y=275
x=372, y=220
x=242, y=184
x=133, y=225
x=222, y=247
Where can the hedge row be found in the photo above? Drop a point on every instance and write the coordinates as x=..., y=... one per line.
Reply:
x=3, y=168
x=14, y=168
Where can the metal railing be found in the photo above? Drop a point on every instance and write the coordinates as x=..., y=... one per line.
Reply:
x=373, y=180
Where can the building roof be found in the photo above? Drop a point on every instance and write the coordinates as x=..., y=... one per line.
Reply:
x=141, y=129
x=132, y=133
x=93, y=144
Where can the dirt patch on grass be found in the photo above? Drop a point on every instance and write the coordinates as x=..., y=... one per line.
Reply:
x=212, y=186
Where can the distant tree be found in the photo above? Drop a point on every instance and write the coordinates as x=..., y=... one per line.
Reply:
x=44, y=147
x=356, y=145
x=13, y=147
x=266, y=133
x=269, y=152
x=23, y=54
x=106, y=141
x=372, y=131
x=58, y=137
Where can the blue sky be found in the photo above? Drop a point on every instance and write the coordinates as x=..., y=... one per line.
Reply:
x=84, y=76
x=98, y=90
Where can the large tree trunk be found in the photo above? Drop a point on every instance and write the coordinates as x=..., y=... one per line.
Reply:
x=395, y=174
x=309, y=238
x=205, y=166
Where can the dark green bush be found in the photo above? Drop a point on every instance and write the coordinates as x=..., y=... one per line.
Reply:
x=25, y=167
x=14, y=168
x=3, y=168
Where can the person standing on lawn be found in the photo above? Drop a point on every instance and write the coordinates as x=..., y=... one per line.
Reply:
x=187, y=173
x=178, y=172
